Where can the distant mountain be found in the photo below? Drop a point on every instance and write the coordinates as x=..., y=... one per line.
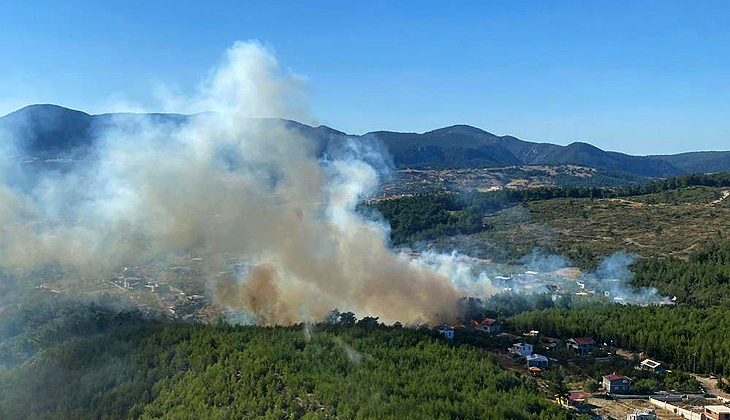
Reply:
x=699, y=161
x=50, y=130
x=466, y=146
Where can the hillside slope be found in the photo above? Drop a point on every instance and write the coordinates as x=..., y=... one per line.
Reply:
x=138, y=369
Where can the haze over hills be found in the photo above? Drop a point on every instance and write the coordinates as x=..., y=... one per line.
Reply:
x=48, y=131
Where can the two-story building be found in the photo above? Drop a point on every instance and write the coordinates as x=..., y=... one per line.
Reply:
x=616, y=384
x=521, y=349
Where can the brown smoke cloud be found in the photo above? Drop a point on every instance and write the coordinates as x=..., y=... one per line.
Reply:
x=226, y=184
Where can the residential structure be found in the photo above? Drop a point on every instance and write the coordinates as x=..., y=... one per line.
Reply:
x=521, y=349
x=651, y=365
x=487, y=325
x=582, y=345
x=574, y=399
x=537, y=360
x=717, y=412
x=645, y=414
x=447, y=332
x=616, y=384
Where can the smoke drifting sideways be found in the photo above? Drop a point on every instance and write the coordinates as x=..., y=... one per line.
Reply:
x=233, y=182
x=611, y=279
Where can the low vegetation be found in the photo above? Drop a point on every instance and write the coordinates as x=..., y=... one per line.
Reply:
x=668, y=218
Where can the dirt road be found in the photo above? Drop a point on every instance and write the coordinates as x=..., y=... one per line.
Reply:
x=710, y=386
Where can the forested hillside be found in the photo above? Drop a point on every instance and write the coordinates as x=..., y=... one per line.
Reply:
x=148, y=370
x=704, y=280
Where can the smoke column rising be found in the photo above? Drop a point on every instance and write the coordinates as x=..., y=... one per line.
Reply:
x=225, y=183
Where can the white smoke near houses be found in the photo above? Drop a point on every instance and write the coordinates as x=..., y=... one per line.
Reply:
x=234, y=181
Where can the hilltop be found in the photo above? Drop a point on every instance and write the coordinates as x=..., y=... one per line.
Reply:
x=49, y=130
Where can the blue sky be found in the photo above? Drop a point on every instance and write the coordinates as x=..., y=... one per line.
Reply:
x=639, y=77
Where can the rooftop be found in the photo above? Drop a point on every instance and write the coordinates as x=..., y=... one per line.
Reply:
x=576, y=395
x=537, y=357
x=615, y=377
x=650, y=363
x=583, y=341
x=718, y=408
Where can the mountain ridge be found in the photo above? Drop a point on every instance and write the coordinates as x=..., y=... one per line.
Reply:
x=48, y=129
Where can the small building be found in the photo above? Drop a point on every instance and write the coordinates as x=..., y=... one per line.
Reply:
x=616, y=384
x=717, y=412
x=537, y=360
x=487, y=325
x=651, y=365
x=576, y=398
x=581, y=345
x=446, y=331
x=521, y=349
x=645, y=414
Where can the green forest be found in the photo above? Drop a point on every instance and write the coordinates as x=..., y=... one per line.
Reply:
x=703, y=280
x=133, y=368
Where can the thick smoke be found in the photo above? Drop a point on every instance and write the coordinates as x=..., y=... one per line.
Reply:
x=237, y=183
x=225, y=184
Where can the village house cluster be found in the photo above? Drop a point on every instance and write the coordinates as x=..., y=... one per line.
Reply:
x=537, y=352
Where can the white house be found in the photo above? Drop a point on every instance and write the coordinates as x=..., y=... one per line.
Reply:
x=645, y=414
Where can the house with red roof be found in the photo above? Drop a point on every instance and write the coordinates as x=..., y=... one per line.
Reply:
x=576, y=398
x=616, y=384
x=581, y=345
x=487, y=325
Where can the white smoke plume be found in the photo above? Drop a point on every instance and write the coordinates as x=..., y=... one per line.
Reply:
x=227, y=184
x=353, y=355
